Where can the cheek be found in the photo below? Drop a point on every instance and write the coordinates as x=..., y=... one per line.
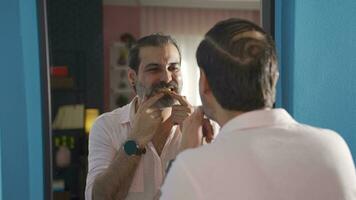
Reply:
x=148, y=80
x=200, y=83
x=200, y=92
x=178, y=78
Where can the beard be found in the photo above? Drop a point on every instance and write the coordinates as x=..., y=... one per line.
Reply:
x=166, y=101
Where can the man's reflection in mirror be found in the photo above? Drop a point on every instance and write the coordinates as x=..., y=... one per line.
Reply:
x=130, y=147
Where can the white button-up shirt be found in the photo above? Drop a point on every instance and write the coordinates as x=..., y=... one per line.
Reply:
x=267, y=155
x=108, y=135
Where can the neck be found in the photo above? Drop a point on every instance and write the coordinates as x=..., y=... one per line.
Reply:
x=223, y=116
x=164, y=130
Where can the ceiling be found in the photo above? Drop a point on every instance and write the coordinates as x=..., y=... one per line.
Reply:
x=221, y=4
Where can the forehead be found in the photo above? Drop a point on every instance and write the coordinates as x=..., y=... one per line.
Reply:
x=164, y=54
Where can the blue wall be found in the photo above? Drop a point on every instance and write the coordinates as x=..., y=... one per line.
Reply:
x=318, y=69
x=20, y=114
x=318, y=45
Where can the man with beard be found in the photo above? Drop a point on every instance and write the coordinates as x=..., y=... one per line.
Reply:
x=260, y=152
x=130, y=147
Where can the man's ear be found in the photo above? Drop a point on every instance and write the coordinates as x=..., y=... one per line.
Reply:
x=203, y=83
x=276, y=79
x=132, y=76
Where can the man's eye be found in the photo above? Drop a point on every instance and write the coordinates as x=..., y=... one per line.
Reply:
x=152, y=69
x=174, y=67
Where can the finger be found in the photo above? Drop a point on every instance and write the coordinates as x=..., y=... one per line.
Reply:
x=154, y=116
x=183, y=101
x=178, y=120
x=180, y=107
x=156, y=112
x=158, y=119
x=208, y=131
x=151, y=110
x=181, y=114
x=149, y=102
x=175, y=118
x=207, y=127
x=177, y=108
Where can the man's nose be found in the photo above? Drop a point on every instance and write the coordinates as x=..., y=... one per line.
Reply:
x=166, y=76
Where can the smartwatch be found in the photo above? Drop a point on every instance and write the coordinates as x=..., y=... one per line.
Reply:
x=132, y=148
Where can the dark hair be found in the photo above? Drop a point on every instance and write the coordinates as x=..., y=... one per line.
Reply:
x=155, y=40
x=239, y=60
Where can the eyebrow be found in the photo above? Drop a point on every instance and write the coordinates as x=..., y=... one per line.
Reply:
x=175, y=63
x=159, y=65
x=152, y=65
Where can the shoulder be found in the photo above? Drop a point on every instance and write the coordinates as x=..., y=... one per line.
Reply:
x=326, y=142
x=117, y=115
x=192, y=160
x=110, y=122
x=322, y=134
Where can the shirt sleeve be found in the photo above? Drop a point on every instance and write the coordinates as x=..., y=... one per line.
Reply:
x=101, y=153
x=180, y=184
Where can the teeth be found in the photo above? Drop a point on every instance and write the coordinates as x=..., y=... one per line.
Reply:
x=166, y=89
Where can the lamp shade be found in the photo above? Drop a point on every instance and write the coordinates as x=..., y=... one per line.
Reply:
x=90, y=115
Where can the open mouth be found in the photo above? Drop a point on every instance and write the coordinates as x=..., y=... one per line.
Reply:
x=166, y=89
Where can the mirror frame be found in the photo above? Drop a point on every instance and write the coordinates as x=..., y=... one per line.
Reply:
x=45, y=99
x=268, y=23
x=268, y=16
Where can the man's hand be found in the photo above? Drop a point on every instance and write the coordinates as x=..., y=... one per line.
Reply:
x=208, y=131
x=182, y=111
x=146, y=121
x=195, y=128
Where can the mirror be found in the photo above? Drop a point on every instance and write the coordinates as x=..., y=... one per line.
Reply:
x=88, y=44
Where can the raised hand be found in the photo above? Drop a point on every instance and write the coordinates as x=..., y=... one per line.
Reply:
x=191, y=130
x=194, y=129
x=208, y=131
x=146, y=121
x=182, y=111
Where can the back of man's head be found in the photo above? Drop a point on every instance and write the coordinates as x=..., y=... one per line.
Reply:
x=153, y=40
x=239, y=61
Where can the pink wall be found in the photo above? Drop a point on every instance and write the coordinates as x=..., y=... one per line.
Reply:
x=117, y=20
x=188, y=21
x=121, y=19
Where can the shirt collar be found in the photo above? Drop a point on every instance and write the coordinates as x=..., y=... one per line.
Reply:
x=129, y=112
x=257, y=119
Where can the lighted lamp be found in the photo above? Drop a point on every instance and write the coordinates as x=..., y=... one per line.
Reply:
x=90, y=115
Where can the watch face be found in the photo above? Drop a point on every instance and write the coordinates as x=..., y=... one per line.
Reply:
x=130, y=147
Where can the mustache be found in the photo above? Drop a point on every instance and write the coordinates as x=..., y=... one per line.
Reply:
x=155, y=88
